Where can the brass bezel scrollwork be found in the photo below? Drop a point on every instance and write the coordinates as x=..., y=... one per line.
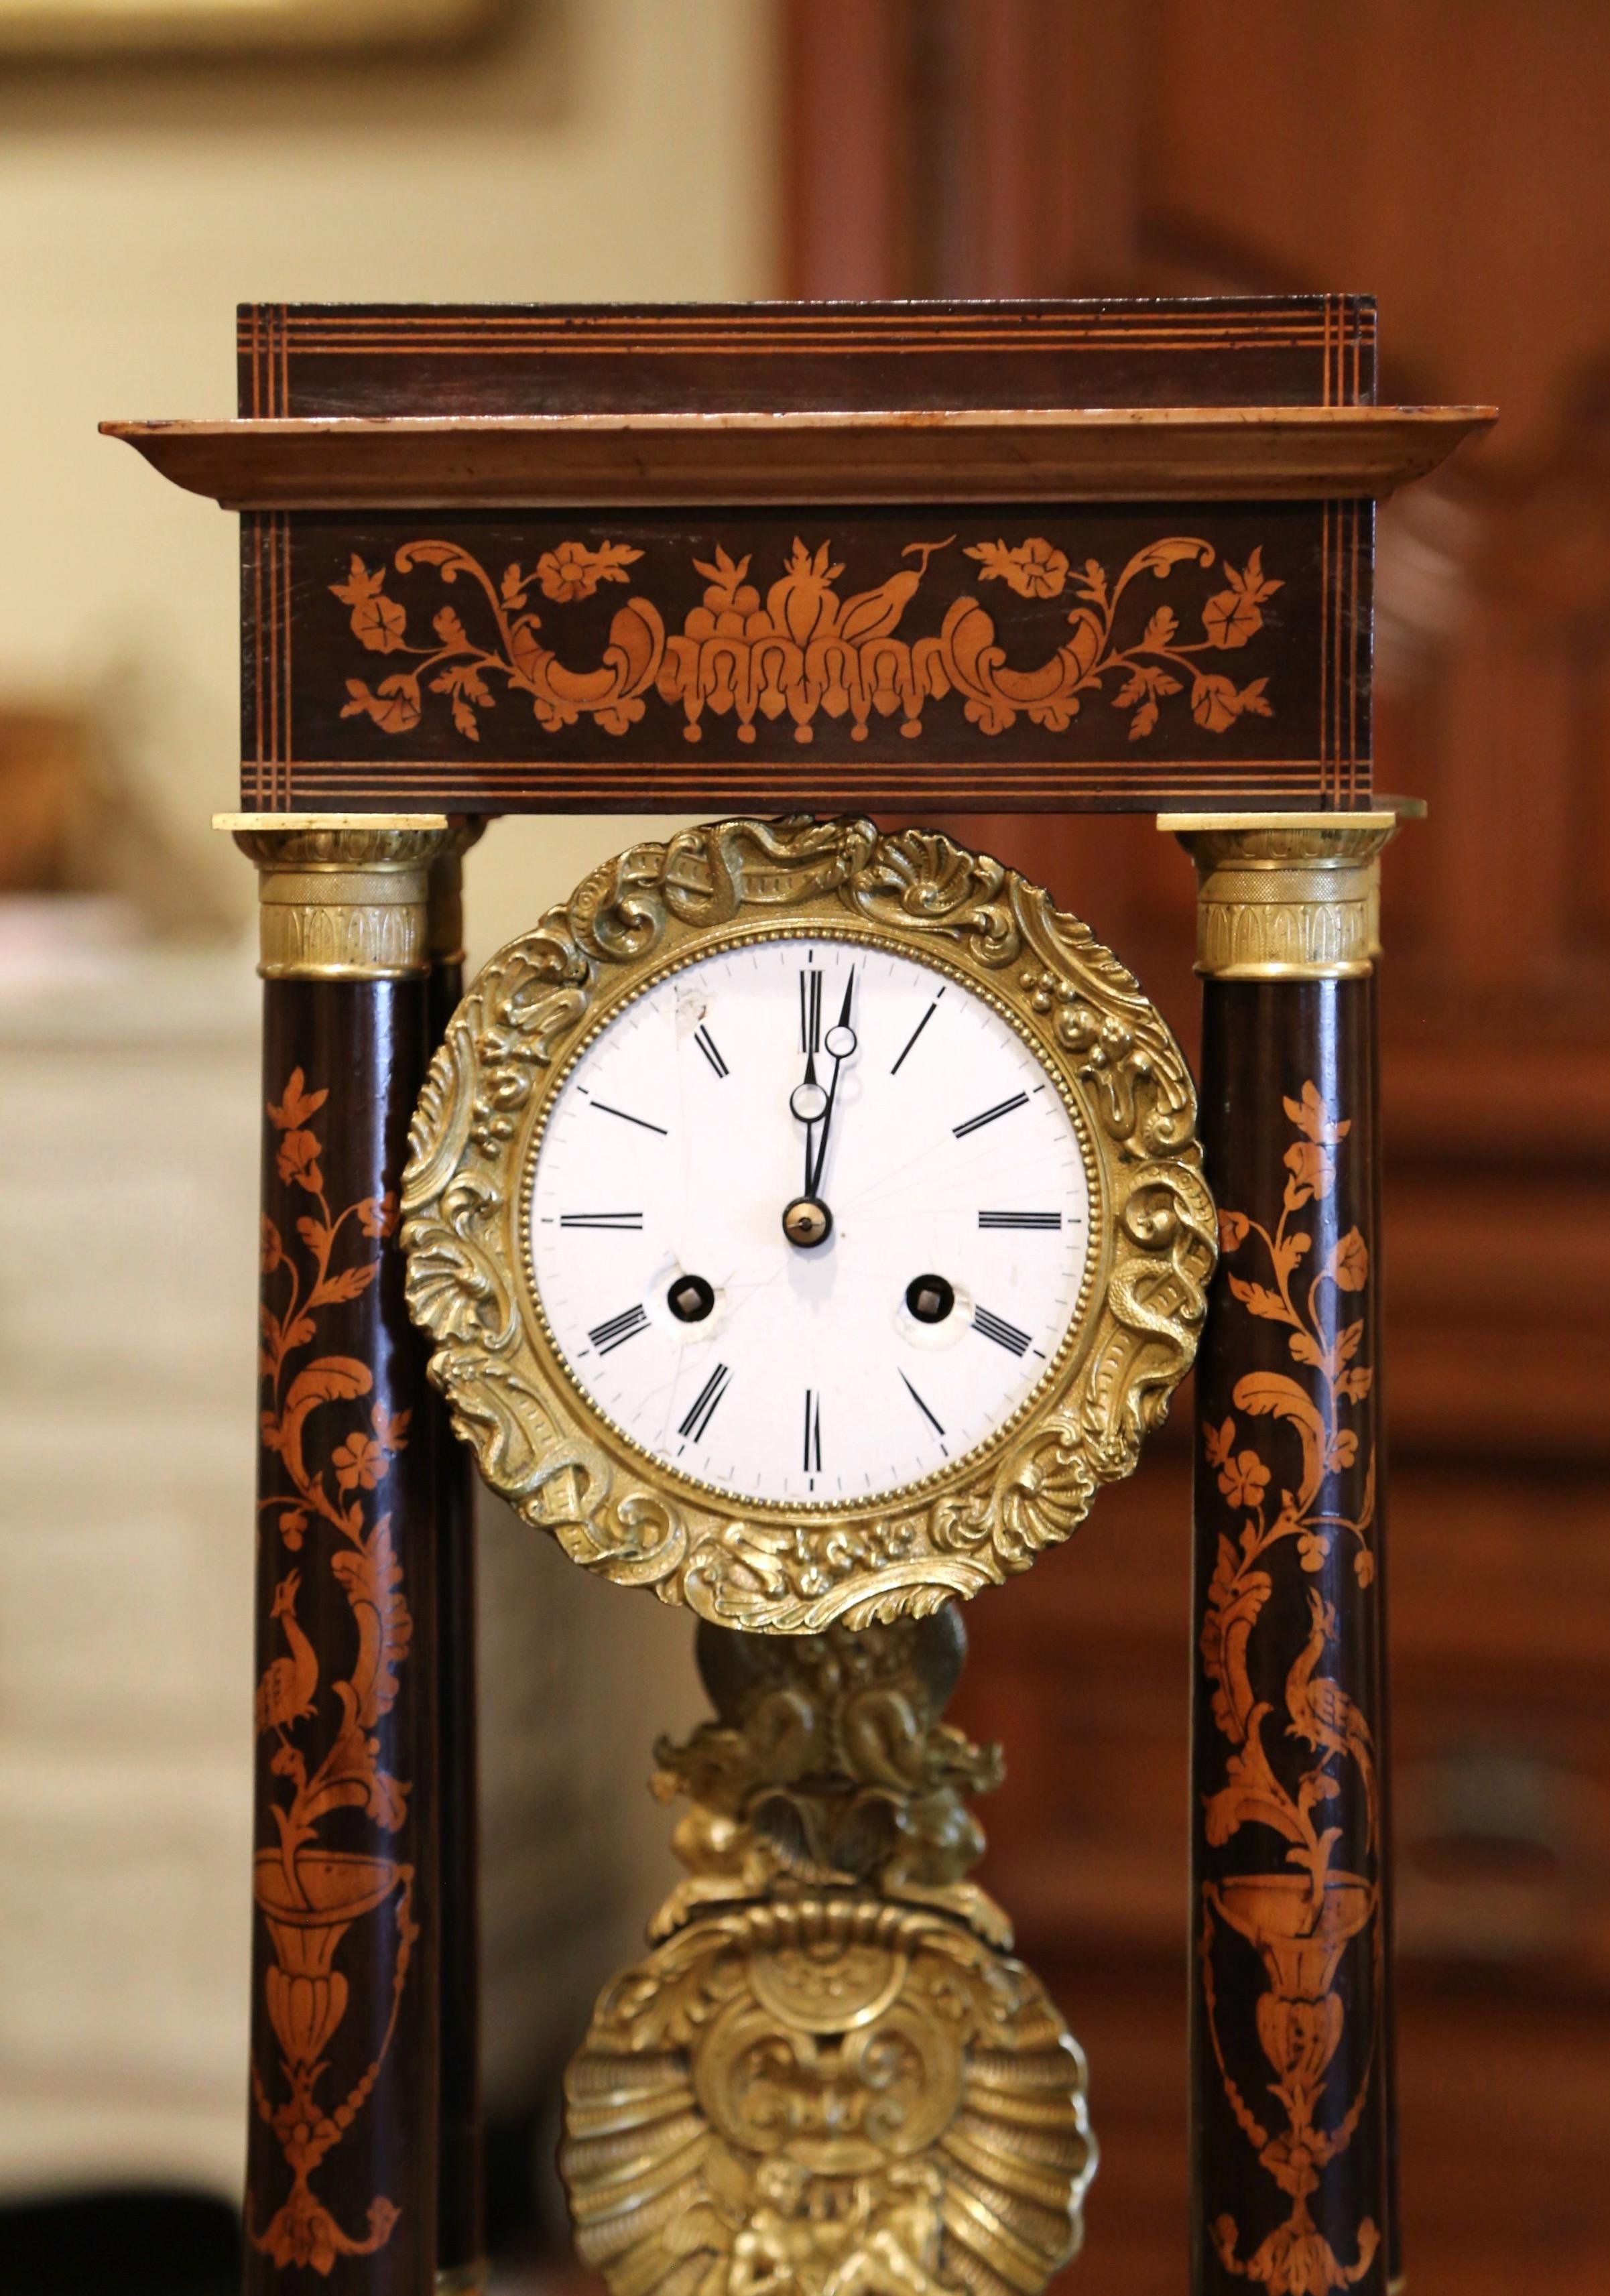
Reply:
x=565, y=1468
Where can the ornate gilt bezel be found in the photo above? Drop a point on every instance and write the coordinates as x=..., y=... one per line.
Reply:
x=565, y=1468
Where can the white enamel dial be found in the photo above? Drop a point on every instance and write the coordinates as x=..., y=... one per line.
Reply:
x=840, y=1079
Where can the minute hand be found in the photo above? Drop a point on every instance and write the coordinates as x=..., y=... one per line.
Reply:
x=841, y=1044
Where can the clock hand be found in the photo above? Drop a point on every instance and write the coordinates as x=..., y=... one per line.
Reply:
x=810, y=1098
x=808, y=1101
x=841, y=1044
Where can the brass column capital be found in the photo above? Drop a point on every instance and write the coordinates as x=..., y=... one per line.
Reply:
x=343, y=897
x=1285, y=897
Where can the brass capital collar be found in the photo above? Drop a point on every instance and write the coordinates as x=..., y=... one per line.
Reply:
x=1285, y=897
x=342, y=897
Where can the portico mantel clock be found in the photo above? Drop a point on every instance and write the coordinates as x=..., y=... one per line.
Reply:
x=808, y=1222
x=802, y=1222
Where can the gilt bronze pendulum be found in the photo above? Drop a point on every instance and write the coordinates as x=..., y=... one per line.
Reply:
x=829, y=2071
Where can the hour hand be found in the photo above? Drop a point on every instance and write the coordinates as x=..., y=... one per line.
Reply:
x=841, y=1044
x=807, y=1101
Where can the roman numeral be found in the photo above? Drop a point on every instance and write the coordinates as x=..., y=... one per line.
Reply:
x=813, y=1432
x=922, y=1407
x=618, y=1329
x=627, y=1118
x=605, y=1222
x=916, y=1032
x=997, y=1328
x=988, y=1115
x=707, y=1046
x=703, y=1408
x=811, y=1010
x=1020, y=1219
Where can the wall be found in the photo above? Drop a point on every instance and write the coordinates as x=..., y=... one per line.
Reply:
x=601, y=149
x=1451, y=159
x=1449, y=156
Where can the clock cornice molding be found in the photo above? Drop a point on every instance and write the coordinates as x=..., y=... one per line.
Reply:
x=804, y=455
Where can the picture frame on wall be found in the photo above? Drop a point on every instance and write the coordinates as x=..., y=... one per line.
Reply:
x=66, y=31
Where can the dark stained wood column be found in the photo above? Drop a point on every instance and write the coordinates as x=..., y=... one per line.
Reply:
x=1396, y=2278
x=460, y=2196
x=1291, y=2083
x=341, y=2178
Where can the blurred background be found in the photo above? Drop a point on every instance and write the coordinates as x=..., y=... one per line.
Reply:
x=163, y=159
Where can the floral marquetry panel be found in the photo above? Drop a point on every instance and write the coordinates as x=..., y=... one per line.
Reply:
x=1291, y=1916
x=343, y=1976
x=1062, y=656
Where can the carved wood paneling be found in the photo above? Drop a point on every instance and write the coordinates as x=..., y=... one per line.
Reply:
x=1282, y=148
x=845, y=69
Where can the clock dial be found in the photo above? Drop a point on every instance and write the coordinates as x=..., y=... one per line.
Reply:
x=808, y=1221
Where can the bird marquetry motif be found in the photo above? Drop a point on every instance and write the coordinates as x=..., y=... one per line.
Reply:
x=286, y=1692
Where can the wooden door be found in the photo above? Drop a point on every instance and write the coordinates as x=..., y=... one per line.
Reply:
x=1449, y=156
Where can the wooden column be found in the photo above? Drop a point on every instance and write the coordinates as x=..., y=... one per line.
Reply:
x=1396, y=2278
x=460, y=2197
x=1291, y=2077
x=341, y=2176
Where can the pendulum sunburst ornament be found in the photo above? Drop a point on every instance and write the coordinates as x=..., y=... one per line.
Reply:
x=808, y=1221
x=829, y=2076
